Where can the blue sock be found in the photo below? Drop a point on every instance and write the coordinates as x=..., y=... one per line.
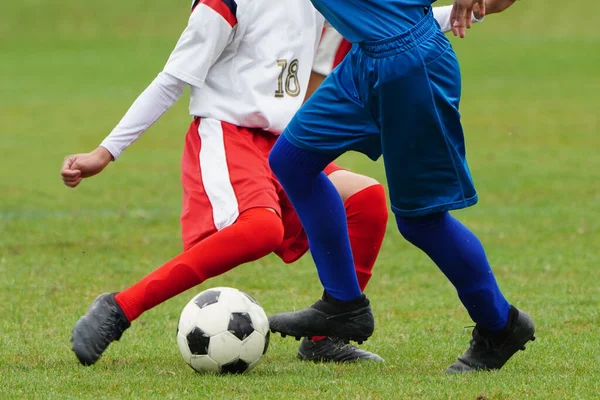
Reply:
x=322, y=214
x=460, y=256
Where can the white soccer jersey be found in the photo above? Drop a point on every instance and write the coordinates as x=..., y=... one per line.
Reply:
x=248, y=61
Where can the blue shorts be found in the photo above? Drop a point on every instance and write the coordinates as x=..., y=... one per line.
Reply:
x=398, y=98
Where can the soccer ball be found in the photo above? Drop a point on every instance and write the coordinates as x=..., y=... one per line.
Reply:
x=223, y=330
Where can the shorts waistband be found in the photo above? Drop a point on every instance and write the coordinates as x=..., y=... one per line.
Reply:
x=404, y=41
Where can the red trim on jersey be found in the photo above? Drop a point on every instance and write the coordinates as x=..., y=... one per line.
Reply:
x=221, y=8
x=343, y=49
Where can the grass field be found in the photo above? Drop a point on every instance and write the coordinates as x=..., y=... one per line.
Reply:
x=69, y=70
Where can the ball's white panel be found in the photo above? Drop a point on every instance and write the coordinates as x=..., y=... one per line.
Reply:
x=205, y=364
x=183, y=347
x=224, y=289
x=234, y=300
x=189, y=318
x=259, y=318
x=252, y=347
x=251, y=298
x=224, y=348
x=213, y=319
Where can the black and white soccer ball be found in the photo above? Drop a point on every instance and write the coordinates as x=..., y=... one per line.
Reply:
x=223, y=330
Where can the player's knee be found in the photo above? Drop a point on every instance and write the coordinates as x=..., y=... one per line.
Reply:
x=265, y=233
x=349, y=183
x=296, y=166
x=377, y=208
x=414, y=229
x=373, y=206
x=272, y=234
x=275, y=160
x=279, y=160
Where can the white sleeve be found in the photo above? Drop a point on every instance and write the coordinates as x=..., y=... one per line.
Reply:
x=200, y=45
x=158, y=97
x=442, y=16
x=207, y=34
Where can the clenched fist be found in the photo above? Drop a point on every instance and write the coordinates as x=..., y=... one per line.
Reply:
x=79, y=166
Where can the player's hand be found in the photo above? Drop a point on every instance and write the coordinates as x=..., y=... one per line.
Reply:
x=79, y=166
x=461, y=15
x=493, y=7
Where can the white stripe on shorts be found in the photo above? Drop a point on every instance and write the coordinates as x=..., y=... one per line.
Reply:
x=215, y=173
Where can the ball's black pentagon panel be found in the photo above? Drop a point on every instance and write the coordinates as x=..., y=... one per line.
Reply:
x=207, y=298
x=198, y=342
x=267, y=338
x=252, y=299
x=240, y=324
x=235, y=367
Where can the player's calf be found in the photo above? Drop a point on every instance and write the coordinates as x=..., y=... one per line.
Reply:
x=104, y=323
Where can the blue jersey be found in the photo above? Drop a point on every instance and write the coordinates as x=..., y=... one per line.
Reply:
x=371, y=20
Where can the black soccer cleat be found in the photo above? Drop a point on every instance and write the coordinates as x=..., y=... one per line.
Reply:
x=333, y=350
x=104, y=323
x=491, y=350
x=349, y=320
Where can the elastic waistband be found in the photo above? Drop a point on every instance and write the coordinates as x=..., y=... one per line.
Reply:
x=233, y=127
x=402, y=42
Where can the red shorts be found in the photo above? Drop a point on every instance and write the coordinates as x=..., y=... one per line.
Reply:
x=224, y=172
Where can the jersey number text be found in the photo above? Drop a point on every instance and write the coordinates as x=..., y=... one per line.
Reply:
x=289, y=74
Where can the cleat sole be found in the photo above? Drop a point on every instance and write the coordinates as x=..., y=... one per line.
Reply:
x=359, y=340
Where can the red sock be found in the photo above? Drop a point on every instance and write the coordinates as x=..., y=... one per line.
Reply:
x=367, y=215
x=256, y=233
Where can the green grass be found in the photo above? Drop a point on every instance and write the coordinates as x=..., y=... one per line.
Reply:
x=69, y=70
